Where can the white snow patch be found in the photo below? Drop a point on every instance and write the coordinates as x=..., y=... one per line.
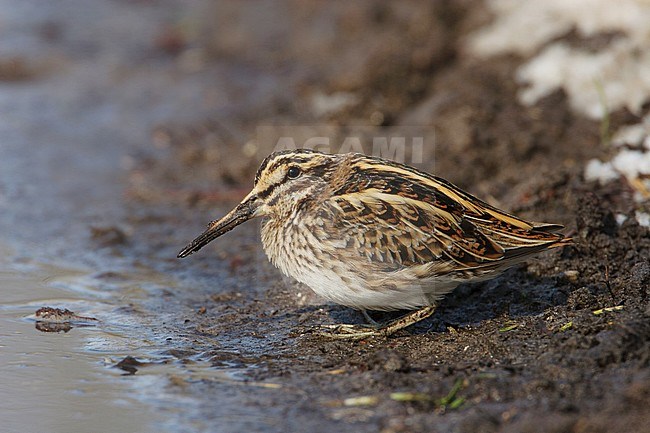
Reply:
x=596, y=82
x=643, y=218
x=633, y=164
x=620, y=218
x=603, y=172
x=523, y=26
x=634, y=135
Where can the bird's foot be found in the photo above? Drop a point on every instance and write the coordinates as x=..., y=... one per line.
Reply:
x=359, y=332
x=350, y=332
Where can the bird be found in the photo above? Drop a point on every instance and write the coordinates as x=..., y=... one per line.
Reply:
x=373, y=234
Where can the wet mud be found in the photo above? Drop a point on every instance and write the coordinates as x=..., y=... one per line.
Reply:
x=558, y=344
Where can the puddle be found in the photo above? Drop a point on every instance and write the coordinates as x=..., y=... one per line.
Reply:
x=69, y=131
x=65, y=376
x=58, y=381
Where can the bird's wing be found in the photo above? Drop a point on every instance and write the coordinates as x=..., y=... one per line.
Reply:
x=400, y=231
x=400, y=216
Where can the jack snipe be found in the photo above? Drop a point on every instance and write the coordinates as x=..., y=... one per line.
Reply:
x=373, y=234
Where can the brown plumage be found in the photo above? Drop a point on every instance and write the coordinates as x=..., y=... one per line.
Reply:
x=374, y=234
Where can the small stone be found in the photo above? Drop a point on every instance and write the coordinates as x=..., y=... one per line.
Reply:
x=571, y=275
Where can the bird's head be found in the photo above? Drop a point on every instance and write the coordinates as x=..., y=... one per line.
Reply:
x=285, y=181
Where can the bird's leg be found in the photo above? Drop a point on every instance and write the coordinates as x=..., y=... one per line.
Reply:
x=407, y=320
x=358, y=332
x=372, y=322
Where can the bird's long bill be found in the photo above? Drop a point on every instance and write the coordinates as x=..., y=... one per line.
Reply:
x=242, y=213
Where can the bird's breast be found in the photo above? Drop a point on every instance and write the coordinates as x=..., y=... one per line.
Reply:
x=291, y=246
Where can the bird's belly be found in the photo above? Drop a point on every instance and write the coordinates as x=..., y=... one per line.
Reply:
x=357, y=292
x=346, y=280
x=349, y=288
x=329, y=285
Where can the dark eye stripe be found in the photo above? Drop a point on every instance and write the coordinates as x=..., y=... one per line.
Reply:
x=306, y=163
x=268, y=191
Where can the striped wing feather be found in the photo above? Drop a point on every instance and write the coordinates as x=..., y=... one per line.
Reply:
x=398, y=216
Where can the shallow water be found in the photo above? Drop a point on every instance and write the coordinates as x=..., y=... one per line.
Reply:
x=67, y=380
x=64, y=381
x=92, y=96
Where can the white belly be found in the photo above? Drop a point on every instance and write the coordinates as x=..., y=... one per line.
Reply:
x=349, y=281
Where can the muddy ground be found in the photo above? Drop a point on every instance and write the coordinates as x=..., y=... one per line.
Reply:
x=527, y=351
x=539, y=348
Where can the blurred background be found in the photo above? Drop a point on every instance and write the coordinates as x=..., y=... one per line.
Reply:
x=126, y=125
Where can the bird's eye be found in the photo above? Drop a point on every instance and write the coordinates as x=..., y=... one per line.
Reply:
x=293, y=172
